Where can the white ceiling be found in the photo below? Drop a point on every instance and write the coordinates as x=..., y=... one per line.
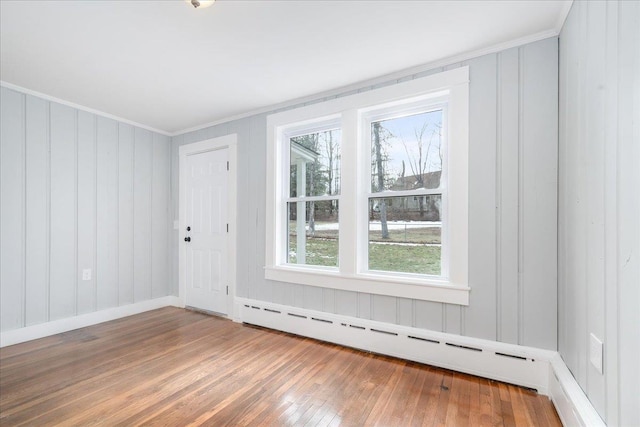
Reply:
x=169, y=67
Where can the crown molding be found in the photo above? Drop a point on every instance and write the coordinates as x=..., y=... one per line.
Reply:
x=80, y=107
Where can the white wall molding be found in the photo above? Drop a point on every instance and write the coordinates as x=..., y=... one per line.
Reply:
x=42, y=330
x=543, y=370
x=571, y=403
x=80, y=107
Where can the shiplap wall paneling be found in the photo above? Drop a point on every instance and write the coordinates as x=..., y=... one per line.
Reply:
x=507, y=218
x=87, y=211
x=258, y=132
x=538, y=192
x=107, y=215
x=428, y=315
x=611, y=303
x=364, y=305
x=346, y=303
x=37, y=212
x=176, y=234
x=160, y=202
x=298, y=295
x=594, y=127
x=599, y=210
x=627, y=315
x=142, y=193
x=405, y=310
x=12, y=181
x=312, y=297
x=383, y=308
x=571, y=313
x=67, y=204
x=125, y=213
x=612, y=367
x=63, y=280
x=480, y=316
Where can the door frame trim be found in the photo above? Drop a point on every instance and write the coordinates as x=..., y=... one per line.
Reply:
x=230, y=142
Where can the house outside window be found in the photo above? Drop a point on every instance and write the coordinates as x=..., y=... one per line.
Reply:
x=369, y=192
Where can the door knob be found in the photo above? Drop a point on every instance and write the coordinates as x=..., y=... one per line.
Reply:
x=187, y=239
x=188, y=228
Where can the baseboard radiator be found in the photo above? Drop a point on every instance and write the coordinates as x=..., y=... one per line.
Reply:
x=524, y=366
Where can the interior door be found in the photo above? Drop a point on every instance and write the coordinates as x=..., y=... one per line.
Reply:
x=206, y=233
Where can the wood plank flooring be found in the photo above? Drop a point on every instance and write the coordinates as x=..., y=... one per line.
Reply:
x=174, y=367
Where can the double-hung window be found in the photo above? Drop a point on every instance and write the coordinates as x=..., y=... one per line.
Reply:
x=368, y=192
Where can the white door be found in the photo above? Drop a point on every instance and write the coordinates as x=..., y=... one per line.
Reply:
x=206, y=234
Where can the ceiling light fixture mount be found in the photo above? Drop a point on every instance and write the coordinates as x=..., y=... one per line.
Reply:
x=200, y=3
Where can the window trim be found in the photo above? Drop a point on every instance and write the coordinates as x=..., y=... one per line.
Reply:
x=349, y=110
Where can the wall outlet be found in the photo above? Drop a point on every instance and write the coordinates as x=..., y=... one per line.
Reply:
x=86, y=274
x=596, y=349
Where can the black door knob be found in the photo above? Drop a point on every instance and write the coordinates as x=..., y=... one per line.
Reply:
x=187, y=239
x=188, y=228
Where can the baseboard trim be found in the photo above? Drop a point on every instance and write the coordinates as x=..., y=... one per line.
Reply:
x=543, y=370
x=572, y=405
x=29, y=333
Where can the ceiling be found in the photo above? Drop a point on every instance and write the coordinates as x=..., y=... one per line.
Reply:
x=170, y=67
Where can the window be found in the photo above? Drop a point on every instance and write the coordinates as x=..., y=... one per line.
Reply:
x=369, y=192
x=312, y=205
x=406, y=196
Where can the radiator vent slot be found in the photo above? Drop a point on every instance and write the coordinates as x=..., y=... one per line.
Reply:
x=271, y=311
x=300, y=316
x=423, y=339
x=383, y=332
x=321, y=320
x=357, y=327
x=464, y=346
x=513, y=356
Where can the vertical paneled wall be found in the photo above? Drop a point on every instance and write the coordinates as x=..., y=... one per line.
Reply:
x=599, y=209
x=78, y=191
x=513, y=209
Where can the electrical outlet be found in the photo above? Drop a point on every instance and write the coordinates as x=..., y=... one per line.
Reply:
x=595, y=352
x=86, y=274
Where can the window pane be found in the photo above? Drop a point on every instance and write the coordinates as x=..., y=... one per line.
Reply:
x=405, y=234
x=315, y=164
x=313, y=233
x=406, y=152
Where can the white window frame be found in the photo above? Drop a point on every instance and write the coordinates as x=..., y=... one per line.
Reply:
x=355, y=190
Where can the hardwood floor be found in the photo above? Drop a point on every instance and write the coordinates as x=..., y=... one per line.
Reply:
x=175, y=367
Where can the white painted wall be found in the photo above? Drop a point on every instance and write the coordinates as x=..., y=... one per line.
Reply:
x=599, y=208
x=513, y=209
x=78, y=191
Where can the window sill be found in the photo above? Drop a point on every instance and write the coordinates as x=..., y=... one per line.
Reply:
x=427, y=290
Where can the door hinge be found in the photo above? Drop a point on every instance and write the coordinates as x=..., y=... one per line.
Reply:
x=227, y=165
x=227, y=290
x=227, y=228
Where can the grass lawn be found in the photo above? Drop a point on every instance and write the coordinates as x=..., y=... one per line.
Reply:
x=383, y=257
